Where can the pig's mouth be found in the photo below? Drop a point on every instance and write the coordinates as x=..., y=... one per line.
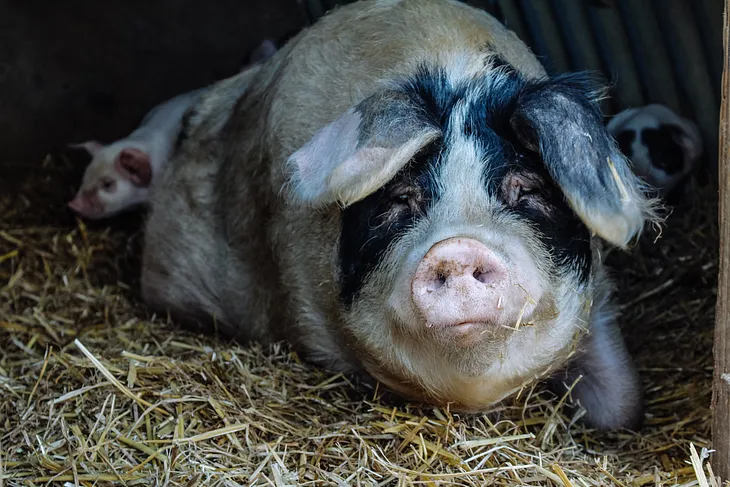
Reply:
x=467, y=326
x=471, y=330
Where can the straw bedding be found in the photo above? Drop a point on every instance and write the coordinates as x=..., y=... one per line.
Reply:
x=98, y=391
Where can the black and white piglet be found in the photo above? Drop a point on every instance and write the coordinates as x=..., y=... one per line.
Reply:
x=662, y=146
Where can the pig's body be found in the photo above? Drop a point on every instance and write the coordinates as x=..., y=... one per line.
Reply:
x=429, y=279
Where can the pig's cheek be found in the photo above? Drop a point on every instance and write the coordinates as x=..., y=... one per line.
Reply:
x=400, y=304
x=525, y=272
x=96, y=204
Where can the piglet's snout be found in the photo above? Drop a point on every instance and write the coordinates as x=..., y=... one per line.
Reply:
x=461, y=281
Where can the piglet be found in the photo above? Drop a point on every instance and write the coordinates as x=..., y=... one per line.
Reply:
x=120, y=174
x=662, y=146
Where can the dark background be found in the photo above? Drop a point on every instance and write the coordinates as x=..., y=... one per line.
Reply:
x=81, y=69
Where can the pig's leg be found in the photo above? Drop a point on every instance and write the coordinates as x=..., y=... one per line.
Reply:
x=610, y=389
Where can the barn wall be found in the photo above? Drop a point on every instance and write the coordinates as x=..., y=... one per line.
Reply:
x=79, y=69
x=652, y=51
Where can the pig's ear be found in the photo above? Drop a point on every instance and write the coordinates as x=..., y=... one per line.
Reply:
x=134, y=165
x=263, y=52
x=690, y=139
x=90, y=146
x=560, y=119
x=360, y=151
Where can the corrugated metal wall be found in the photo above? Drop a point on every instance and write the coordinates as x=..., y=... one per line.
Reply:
x=653, y=51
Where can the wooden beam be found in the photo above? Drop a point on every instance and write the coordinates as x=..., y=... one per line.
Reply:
x=721, y=385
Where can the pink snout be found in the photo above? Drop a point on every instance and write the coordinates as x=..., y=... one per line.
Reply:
x=86, y=204
x=462, y=282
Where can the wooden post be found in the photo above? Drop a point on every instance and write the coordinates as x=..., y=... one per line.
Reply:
x=721, y=385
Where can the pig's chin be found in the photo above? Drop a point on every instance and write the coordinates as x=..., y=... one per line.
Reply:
x=470, y=334
x=477, y=330
x=470, y=365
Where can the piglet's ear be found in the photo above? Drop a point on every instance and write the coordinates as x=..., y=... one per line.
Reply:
x=360, y=151
x=560, y=119
x=263, y=52
x=91, y=146
x=687, y=135
x=134, y=165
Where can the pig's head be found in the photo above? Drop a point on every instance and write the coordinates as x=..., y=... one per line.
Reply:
x=117, y=178
x=662, y=146
x=465, y=263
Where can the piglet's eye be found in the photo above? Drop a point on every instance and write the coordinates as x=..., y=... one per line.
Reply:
x=107, y=184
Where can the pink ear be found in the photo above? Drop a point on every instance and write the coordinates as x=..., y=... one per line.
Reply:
x=91, y=146
x=134, y=165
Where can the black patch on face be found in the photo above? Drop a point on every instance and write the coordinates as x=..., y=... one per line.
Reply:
x=543, y=206
x=625, y=140
x=664, y=150
x=371, y=225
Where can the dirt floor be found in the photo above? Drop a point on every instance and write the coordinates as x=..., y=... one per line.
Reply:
x=97, y=391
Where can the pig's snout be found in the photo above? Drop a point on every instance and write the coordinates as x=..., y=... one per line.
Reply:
x=462, y=282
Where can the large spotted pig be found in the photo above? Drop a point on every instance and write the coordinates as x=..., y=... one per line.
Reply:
x=402, y=190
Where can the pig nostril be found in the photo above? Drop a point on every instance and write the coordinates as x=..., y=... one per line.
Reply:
x=441, y=279
x=481, y=276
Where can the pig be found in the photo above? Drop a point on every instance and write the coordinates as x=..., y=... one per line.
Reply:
x=403, y=192
x=663, y=147
x=120, y=175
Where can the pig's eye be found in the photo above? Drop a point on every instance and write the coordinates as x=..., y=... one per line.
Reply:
x=107, y=184
x=406, y=197
x=518, y=188
x=402, y=198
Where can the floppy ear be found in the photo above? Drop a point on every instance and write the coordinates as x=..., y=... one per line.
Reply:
x=689, y=138
x=91, y=146
x=560, y=119
x=134, y=165
x=360, y=151
x=263, y=52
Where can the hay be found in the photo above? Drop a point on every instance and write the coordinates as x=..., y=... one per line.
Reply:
x=97, y=391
